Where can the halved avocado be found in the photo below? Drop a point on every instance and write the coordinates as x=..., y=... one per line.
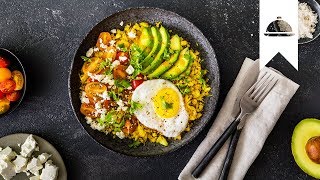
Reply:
x=180, y=66
x=305, y=146
x=139, y=50
x=175, y=45
x=155, y=48
x=158, y=59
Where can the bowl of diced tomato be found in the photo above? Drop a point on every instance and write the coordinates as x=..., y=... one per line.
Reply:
x=12, y=82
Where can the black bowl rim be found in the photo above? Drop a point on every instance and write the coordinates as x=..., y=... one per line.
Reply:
x=23, y=91
x=196, y=133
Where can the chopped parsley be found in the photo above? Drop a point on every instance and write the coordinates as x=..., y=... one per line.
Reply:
x=187, y=56
x=107, y=119
x=134, y=106
x=122, y=47
x=165, y=104
x=122, y=83
x=85, y=58
x=104, y=64
x=135, y=144
x=184, y=89
x=136, y=55
x=113, y=95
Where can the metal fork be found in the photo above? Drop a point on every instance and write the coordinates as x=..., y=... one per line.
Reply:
x=248, y=104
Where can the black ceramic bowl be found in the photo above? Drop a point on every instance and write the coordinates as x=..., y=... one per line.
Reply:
x=178, y=25
x=15, y=64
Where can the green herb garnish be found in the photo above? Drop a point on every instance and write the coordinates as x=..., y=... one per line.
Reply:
x=107, y=119
x=165, y=104
x=122, y=47
x=85, y=58
x=134, y=106
x=113, y=95
x=122, y=83
x=166, y=54
x=135, y=144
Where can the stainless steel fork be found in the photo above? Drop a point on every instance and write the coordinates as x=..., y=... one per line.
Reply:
x=248, y=104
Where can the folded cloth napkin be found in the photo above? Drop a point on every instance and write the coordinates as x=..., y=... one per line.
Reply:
x=256, y=130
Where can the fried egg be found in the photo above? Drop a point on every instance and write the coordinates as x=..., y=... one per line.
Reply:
x=162, y=107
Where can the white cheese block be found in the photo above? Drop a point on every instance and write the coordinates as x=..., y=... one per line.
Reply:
x=34, y=166
x=28, y=146
x=43, y=157
x=20, y=163
x=7, y=169
x=7, y=154
x=50, y=172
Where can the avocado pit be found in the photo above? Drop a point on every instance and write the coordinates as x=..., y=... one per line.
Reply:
x=313, y=149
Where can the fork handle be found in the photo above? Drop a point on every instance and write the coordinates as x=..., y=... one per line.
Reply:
x=215, y=148
x=230, y=154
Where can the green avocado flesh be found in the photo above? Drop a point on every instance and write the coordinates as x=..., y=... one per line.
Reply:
x=155, y=47
x=305, y=130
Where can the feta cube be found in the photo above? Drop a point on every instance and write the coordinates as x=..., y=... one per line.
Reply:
x=20, y=163
x=89, y=52
x=7, y=154
x=121, y=23
x=34, y=166
x=7, y=169
x=132, y=35
x=50, y=172
x=120, y=135
x=130, y=70
x=28, y=146
x=43, y=157
x=113, y=31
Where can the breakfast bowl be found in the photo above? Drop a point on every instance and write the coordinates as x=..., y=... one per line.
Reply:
x=11, y=65
x=176, y=25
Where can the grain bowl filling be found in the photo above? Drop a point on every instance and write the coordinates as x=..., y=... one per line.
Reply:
x=143, y=83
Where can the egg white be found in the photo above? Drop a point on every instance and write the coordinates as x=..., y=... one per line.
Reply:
x=169, y=127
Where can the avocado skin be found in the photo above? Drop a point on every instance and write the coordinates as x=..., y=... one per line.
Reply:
x=305, y=130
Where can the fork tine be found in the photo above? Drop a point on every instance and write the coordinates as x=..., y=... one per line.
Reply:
x=256, y=84
x=260, y=85
x=262, y=88
x=267, y=90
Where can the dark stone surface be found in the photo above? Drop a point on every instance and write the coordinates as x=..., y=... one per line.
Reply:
x=46, y=34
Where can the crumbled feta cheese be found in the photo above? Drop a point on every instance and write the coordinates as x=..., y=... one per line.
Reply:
x=89, y=52
x=34, y=178
x=105, y=96
x=130, y=70
x=108, y=80
x=7, y=154
x=121, y=23
x=98, y=105
x=132, y=35
x=50, y=171
x=97, y=126
x=28, y=146
x=43, y=157
x=129, y=88
x=113, y=31
x=98, y=77
x=120, y=103
x=7, y=169
x=89, y=119
x=120, y=135
x=115, y=63
x=112, y=43
x=20, y=163
x=34, y=166
x=103, y=46
x=122, y=58
x=95, y=49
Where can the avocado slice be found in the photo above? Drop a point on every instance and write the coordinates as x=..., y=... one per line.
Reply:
x=146, y=39
x=155, y=47
x=303, y=132
x=180, y=66
x=158, y=58
x=175, y=45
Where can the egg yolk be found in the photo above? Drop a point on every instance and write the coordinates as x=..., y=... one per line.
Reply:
x=166, y=103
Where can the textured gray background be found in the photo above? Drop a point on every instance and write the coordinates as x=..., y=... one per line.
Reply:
x=45, y=35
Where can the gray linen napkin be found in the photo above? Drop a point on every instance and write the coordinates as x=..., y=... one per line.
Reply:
x=258, y=126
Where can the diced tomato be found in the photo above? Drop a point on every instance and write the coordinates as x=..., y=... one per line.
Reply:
x=130, y=125
x=106, y=104
x=136, y=83
x=7, y=86
x=14, y=96
x=140, y=76
x=103, y=40
x=119, y=72
x=4, y=62
x=2, y=95
x=123, y=57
